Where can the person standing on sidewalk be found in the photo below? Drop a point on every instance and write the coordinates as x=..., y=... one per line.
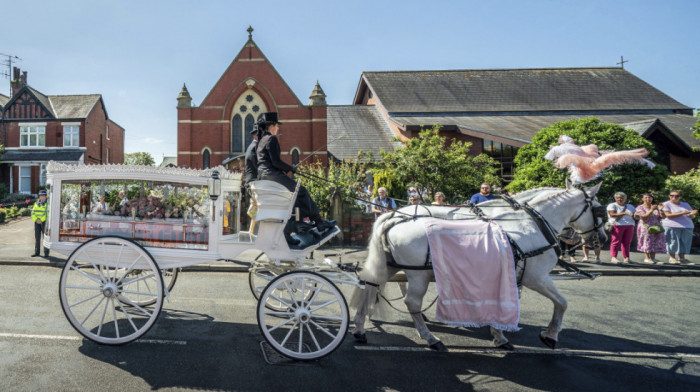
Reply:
x=39, y=218
x=678, y=227
x=621, y=217
x=650, y=243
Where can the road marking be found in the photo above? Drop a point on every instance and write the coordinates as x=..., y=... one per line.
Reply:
x=564, y=352
x=58, y=337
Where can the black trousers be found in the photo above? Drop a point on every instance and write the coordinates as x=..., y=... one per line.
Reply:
x=306, y=205
x=38, y=231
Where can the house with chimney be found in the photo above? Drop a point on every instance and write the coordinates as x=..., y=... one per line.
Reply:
x=38, y=128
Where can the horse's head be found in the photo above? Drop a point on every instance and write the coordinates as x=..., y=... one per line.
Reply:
x=588, y=222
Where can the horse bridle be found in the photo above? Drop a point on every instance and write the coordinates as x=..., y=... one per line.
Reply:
x=597, y=211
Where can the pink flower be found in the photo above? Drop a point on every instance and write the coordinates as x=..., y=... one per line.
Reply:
x=28, y=201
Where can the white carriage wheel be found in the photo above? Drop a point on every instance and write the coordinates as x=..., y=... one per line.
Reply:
x=93, y=288
x=314, y=322
x=169, y=278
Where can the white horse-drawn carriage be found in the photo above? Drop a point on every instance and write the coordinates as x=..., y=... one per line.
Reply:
x=124, y=253
x=127, y=230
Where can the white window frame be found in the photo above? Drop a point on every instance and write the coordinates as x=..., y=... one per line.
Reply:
x=29, y=130
x=107, y=131
x=42, y=174
x=72, y=129
x=23, y=178
x=242, y=101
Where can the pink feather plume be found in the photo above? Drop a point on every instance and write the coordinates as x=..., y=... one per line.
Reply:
x=586, y=163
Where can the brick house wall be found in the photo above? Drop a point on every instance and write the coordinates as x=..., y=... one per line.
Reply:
x=28, y=106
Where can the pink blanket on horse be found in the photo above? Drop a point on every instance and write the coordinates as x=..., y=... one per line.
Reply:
x=474, y=273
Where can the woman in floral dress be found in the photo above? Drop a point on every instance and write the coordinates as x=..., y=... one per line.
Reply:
x=648, y=214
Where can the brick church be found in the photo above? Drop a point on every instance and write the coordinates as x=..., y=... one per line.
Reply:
x=218, y=131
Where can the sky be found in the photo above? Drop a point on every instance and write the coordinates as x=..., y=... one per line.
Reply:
x=138, y=54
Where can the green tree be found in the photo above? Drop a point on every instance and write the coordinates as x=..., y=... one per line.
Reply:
x=346, y=178
x=696, y=127
x=430, y=163
x=139, y=158
x=532, y=170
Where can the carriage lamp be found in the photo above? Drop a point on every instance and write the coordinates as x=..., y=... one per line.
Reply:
x=214, y=187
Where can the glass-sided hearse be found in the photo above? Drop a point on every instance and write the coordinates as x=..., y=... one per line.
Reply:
x=126, y=231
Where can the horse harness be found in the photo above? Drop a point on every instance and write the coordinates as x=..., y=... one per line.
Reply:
x=518, y=254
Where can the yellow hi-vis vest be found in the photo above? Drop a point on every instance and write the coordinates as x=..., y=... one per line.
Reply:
x=39, y=212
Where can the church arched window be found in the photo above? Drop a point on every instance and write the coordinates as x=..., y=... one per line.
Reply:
x=206, y=159
x=295, y=156
x=249, y=122
x=246, y=110
x=236, y=134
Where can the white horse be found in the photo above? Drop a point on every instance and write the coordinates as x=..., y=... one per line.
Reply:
x=405, y=241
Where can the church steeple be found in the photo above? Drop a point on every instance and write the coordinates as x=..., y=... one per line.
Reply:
x=184, y=100
x=318, y=97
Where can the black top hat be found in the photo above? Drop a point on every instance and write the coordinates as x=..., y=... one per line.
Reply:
x=42, y=193
x=269, y=118
x=255, y=128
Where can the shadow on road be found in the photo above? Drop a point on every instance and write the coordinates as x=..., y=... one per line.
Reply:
x=227, y=356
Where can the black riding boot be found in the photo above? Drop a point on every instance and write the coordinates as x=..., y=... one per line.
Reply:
x=322, y=224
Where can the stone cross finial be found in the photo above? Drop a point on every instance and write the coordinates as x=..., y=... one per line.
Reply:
x=250, y=32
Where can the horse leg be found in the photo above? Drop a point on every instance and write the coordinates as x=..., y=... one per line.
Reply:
x=418, y=282
x=363, y=298
x=546, y=287
x=500, y=340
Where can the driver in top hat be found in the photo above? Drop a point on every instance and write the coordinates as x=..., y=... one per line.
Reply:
x=272, y=168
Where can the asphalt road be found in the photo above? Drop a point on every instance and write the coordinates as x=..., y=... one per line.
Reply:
x=620, y=333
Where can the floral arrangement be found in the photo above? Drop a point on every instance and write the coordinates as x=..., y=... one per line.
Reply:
x=143, y=201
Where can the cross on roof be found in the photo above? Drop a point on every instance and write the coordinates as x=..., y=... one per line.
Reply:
x=622, y=62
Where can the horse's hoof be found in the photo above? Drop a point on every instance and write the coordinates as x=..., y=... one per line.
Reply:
x=439, y=347
x=360, y=337
x=549, y=342
x=507, y=346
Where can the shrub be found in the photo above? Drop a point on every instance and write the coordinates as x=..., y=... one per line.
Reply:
x=25, y=212
x=12, y=212
x=16, y=198
x=3, y=191
x=3, y=215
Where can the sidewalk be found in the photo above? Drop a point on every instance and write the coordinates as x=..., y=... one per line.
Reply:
x=17, y=246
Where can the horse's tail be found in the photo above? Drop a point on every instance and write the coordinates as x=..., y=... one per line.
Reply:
x=374, y=271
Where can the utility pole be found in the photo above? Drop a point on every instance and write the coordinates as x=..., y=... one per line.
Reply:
x=8, y=59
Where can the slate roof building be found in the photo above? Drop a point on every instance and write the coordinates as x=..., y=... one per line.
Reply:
x=500, y=110
x=38, y=128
